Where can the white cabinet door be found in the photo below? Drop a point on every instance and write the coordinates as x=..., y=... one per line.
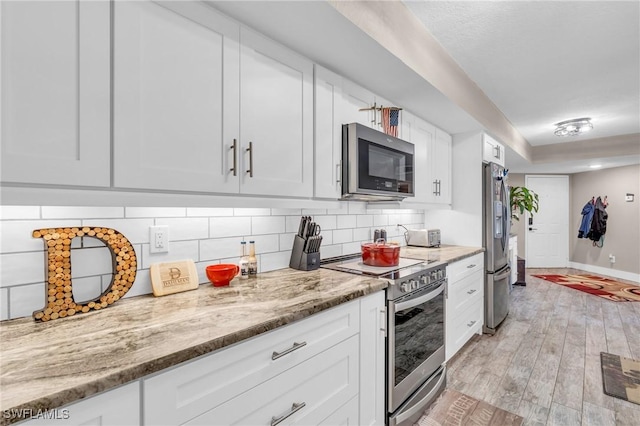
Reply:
x=55, y=92
x=441, y=168
x=328, y=134
x=354, y=98
x=120, y=406
x=175, y=97
x=276, y=118
x=373, y=323
x=421, y=134
x=493, y=151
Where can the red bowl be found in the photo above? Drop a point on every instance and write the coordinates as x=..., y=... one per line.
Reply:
x=380, y=254
x=221, y=274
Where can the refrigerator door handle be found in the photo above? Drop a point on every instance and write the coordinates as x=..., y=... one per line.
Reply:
x=502, y=275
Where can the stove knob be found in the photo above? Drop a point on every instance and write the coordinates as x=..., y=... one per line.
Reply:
x=440, y=273
x=414, y=285
x=405, y=287
x=424, y=279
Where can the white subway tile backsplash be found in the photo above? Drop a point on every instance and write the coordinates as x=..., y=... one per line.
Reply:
x=64, y=212
x=142, y=284
x=220, y=248
x=25, y=299
x=286, y=212
x=220, y=227
x=19, y=212
x=179, y=250
x=351, y=248
x=92, y=261
x=268, y=225
x=209, y=211
x=22, y=268
x=135, y=230
x=273, y=261
x=180, y=229
x=345, y=221
x=363, y=220
x=330, y=251
x=251, y=212
x=155, y=211
x=86, y=289
x=16, y=236
x=206, y=235
x=86, y=242
x=342, y=236
x=326, y=222
x=362, y=234
x=263, y=243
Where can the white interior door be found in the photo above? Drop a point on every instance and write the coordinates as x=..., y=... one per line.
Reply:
x=547, y=233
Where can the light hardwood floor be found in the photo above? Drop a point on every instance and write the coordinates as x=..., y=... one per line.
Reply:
x=543, y=363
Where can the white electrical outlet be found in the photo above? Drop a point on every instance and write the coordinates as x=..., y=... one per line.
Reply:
x=612, y=258
x=159, y=239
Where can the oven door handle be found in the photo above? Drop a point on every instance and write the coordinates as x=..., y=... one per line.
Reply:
x=420, y=405
x=420, y=299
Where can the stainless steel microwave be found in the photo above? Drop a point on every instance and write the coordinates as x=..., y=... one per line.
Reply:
x=375, y=166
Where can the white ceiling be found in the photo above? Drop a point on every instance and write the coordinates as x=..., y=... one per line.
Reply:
x=540, y=62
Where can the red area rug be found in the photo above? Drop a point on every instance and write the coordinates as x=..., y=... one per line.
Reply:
x=598, y=286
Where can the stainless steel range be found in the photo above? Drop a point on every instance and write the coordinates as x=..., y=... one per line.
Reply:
x=416, y=374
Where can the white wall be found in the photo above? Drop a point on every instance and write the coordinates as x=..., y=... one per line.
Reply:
x=206, y=235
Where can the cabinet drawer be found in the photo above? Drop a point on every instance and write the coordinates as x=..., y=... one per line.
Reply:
x=463, y=326
x=182, y=393
x=461, y=292
x=322, y=383
x=462, y=268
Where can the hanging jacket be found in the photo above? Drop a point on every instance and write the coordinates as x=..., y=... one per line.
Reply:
x=587, y=215
x=599, y=221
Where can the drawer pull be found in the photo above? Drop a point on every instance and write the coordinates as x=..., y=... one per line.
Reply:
x=473, y=290
x=473, y=265
x=295, y=346
x=295, y=407
x=471, y=323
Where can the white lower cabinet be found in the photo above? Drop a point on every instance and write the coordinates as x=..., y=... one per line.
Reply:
x=325, y=369
x=465, y=302
x=120, y=406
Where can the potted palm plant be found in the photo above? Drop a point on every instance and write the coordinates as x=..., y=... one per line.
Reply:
x=521, y=199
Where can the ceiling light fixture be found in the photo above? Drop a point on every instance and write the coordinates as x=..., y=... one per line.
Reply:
x=573, y=127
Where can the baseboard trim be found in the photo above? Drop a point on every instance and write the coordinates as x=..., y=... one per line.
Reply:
x=606, y=271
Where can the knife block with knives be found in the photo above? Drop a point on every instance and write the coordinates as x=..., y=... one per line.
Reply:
x=305, y=255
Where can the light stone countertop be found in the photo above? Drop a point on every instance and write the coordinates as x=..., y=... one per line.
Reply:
x=52, y=364
x=48, y=365
x=444, y=253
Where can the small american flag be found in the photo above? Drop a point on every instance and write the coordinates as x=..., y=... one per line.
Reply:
x=390, y=117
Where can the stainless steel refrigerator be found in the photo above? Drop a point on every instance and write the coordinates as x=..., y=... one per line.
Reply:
x=497, y=221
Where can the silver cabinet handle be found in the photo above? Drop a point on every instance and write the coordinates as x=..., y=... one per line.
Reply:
x=471, y=291
x=338, y=174
x=471, y=323
x=296, y=346
x=497, y=148
x=435, y=186
x=473, y=265
x=294, y=408
x=234, y=147
x=250, y=149
x=383, y=321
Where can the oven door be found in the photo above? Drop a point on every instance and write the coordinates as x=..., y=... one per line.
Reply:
x=415, y=342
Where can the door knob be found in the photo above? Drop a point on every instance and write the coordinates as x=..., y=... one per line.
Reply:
x=533, y=229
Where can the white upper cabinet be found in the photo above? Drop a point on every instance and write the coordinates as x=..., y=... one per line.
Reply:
x=493, y=151
x=55, y=92
x=175, y=97
x=421, y=134
x=355, y=98
x=441, y=168
x=276, y=118
x=328, y=134
x=196, y=110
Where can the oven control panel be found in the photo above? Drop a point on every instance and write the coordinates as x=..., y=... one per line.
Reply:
x=420, y=279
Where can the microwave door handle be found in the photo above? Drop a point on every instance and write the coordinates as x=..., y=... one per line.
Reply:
x=421, y=299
